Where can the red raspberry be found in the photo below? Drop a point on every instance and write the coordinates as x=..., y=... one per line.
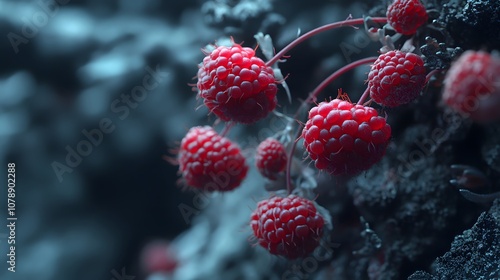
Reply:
x=396, y=78
x=270, y=158
x=406, y=16
x=209, y=161
x=236, y=85
x=289, y=226
x=158, y=256
x=472, y=86
x=343, y=138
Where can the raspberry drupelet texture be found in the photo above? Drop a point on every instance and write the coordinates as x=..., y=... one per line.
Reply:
x=287, y=226
x=344, y=138
x=406, y=16
x=472, y=86
x=236, y=85
x=396, y=78
x=209, y=161
x=270, y=158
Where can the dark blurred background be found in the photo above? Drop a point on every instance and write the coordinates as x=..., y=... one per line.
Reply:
x=63, y=65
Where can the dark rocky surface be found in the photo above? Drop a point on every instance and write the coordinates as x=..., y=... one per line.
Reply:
x=473, y=254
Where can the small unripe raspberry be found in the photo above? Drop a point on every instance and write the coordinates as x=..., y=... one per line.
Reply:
x=396, y=78
x=236, y=85
x=287, y=226
x=209, y=161
x=472, y=86
x=343, y=138
x=406, y=16
x=270, y=158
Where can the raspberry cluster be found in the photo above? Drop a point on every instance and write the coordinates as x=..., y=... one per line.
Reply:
x=209, y=161
x=343, y=138
x=287, y=226
x=236, y=85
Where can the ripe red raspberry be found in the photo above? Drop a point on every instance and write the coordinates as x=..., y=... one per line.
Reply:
x=289, y=226
x=209, y=161
x=343, y=138
x=236, y=85
x=472, y=86
x=396, y=78
x=270, y=158
x=158, y=256
x=406, y=16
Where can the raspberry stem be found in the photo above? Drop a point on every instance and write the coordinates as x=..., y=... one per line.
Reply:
x=300, y=39
x=226, y=128
x=290, y=159
x=432, y=73
x=338, y=73
x=363, y=97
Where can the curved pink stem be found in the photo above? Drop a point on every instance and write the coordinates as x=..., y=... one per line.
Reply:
x=300, y=39
x=363, y=97
x=338, y=73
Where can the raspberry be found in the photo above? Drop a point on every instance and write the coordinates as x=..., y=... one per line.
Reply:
x=396, y=78
x=270, y=158
x=209, y=161
x=158, y=256
x=236, y=85
x=289, y=226
x=472, y=86
x=406, y=16
x=343, y=138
